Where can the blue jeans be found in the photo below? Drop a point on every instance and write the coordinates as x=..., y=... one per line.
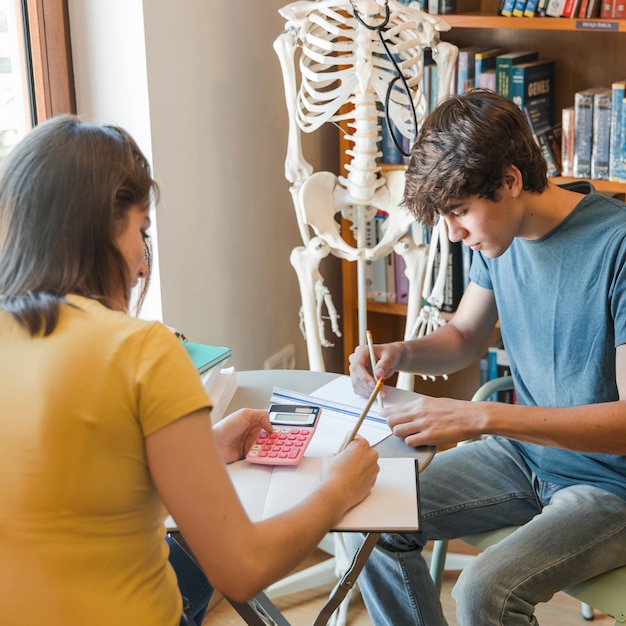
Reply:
x=569, y=534
x=193, y=584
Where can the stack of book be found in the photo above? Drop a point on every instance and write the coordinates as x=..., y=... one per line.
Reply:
x=220, y=382
x=594, y=134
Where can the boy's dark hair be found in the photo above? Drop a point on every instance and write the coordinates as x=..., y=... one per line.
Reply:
x=463, y=149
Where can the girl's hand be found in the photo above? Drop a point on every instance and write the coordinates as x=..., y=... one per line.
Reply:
x=352, y=472
x=236, y=433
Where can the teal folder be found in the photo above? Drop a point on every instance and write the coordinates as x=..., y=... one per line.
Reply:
x=206, y=357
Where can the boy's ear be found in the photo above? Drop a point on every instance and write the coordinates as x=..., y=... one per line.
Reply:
x=513, y=180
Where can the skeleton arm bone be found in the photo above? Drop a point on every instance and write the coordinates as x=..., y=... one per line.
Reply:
x=296, y=166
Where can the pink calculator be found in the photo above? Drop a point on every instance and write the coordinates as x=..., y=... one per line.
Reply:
x=294, y=425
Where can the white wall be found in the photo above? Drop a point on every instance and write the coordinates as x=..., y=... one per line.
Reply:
x=198, y=85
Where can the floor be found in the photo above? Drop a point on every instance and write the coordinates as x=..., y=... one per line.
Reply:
x=301, y=608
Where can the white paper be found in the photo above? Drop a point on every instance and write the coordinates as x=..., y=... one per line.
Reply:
x=391, y=505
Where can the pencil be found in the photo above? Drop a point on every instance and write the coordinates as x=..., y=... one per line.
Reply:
x=368, y=406
x=370, y=344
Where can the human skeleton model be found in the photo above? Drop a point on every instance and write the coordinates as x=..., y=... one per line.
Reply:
x=354, y=55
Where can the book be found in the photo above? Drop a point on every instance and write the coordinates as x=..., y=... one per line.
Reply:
x=570, y=8
x=379, y=266
x=504, y=63
x=506, y=10
x=622, y=143
x=390, y=152
x=617, y=167
x=487, y=80
x=546, y=140
x=607, y=8
x=392, y=505
x=542, y=7
x=486, y=60
x=619, y=10
x=582, y=9
x=583, y=131
x=221, y=390
x=466, y=69
x=206, y=357
x=530, y=10
x=567, y=141
x=402, y=282
x=390, y=266
x=600, y=128
x=532, y=89
x=498, y=365
x=453, y=287
x=555, y=8
x=518, y=8
x=593, y=9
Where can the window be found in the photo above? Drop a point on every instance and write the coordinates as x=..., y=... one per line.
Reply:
x=35, y=66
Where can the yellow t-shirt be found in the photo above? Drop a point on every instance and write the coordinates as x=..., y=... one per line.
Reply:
x=81, y=524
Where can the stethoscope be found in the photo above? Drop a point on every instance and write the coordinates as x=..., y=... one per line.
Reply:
x=378, y=28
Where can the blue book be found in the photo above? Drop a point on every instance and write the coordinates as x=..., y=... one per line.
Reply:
x=206, y=357
x=530, y=10
x=391, y=154
x=583, y=131
x=518, y=8
x=617, y=167
x=507, y=8
x=504, y=63
x=601, y=128
x=532, y=89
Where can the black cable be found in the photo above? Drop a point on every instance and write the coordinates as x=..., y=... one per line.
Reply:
x=378, y=28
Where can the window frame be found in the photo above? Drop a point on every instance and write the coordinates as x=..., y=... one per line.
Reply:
x=47, y=23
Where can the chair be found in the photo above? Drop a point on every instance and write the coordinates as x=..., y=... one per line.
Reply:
x=606, y=593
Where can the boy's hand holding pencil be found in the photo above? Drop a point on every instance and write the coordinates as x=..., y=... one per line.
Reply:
x=367, y=407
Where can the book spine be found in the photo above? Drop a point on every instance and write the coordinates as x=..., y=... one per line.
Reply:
x=402, y=282
x=582, y=9
x=606, y=9
x=390, y=152
x=379, y=266
x=530, y=10
x=518, y=8
x=583, y=121
x=555, y=8
x=453, y=288
x=619, y=10
x=503, y=67
x=390, y=266
x=567, y=141
x=616, y=169
x=507, y=8
x=601, y=131
x=569, y=8
x=622, y=143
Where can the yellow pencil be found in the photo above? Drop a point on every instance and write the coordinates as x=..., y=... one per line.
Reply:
x=368, y=406
x=370, y=344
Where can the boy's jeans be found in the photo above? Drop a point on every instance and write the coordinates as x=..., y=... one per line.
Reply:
x=569, y=534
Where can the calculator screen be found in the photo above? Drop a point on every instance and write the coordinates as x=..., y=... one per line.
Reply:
x=301, y=418
x=293, y=418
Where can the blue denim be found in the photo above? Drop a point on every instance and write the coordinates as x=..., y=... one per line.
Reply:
x=193, y=584
x=569, y=534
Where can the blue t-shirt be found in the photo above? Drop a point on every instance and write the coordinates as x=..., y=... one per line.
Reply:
x=562, y=307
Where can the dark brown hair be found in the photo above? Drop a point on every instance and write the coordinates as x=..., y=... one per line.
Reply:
x=65, y=193
x=463, y=149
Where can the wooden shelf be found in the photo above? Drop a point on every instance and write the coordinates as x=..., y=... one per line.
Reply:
x=482, y=20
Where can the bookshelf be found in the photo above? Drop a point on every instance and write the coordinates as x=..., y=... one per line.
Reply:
x=587, y=52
